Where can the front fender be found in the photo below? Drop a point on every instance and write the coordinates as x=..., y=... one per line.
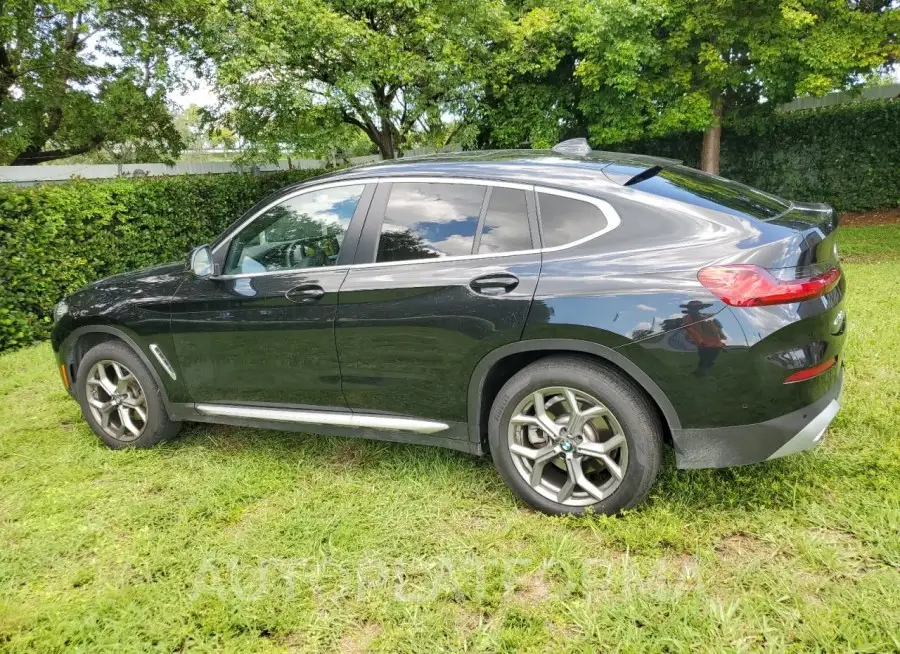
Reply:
x=170, y=384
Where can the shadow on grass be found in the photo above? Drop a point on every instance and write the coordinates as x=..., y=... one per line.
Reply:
x=780, y=484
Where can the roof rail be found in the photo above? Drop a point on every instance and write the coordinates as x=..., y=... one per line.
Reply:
x=578, y=147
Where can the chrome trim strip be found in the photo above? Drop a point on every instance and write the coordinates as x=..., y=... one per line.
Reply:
x=612, y=218
x=389, y=423
x=810, y=436
x=163, y=361
x=382, y=264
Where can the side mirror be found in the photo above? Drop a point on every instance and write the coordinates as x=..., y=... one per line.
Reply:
x=200, y=261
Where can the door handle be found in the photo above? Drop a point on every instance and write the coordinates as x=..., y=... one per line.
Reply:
x=496, y=284
x=305, y=293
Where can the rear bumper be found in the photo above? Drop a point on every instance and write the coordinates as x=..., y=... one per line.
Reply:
x=721, y=447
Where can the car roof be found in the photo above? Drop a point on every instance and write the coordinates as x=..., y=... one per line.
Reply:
x=584, y=173
x=542, y=167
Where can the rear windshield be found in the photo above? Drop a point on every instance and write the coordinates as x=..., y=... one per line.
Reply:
x=704, y=190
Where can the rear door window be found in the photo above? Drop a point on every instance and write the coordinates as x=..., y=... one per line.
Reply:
x=712, y=192
x=505, y=226
x=425, y=220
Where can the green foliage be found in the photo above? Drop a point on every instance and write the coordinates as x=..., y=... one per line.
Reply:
x=845, y=155
x=79, y=75
x=618, y=70
x=55, y=239
x=293, y=73
x=681, y=60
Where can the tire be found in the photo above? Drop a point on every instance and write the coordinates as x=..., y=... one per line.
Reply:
x=629, y=434
x=124, y=387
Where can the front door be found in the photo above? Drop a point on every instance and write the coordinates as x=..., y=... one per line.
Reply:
x=449, y=274
x=263, y=330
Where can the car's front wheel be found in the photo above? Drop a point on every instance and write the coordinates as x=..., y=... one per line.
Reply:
x=120, y=399
x=568, y=434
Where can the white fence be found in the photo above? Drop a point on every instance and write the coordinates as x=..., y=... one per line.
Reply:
x=887, y=92
x=30, y=175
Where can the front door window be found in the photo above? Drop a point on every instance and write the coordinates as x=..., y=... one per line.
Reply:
x=305, y=231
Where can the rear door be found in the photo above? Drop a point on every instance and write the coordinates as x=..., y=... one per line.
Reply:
x=447, y=272
x=263, y=330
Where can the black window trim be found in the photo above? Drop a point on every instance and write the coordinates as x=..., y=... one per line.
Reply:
x=371, y=221
x=476, y=243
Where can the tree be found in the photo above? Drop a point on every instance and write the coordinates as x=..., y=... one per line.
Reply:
x=191, y=129
x=533, y=98
x=654, y=67
x=289, y=68
x=78, y=75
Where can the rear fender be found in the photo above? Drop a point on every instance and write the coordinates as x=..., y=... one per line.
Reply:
x=560, y=346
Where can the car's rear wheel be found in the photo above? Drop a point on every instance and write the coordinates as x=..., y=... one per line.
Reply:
x=568, y=434
x=120, y=399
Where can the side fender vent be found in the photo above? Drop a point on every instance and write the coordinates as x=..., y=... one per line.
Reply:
x=163, y=361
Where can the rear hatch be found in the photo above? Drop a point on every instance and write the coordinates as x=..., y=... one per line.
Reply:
x=818, y=223
x=700, y=189
x=783, y=281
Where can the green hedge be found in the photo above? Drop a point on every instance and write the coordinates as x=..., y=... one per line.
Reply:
x=55, y=239
x=846, y=155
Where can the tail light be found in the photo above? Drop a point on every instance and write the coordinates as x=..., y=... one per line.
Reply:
x=747, y=285
x=809, y=373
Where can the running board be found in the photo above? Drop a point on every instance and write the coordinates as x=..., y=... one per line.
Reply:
x=388, y=423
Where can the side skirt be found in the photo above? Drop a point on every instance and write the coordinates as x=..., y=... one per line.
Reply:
x=395, y=429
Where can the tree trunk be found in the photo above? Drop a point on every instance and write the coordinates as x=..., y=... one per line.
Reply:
x=712, y=141
x=382, y=138
x=386, y=144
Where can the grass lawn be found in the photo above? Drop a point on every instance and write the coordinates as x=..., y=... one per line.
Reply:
x=244, y=540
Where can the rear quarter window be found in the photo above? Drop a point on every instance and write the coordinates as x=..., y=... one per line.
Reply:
x=712, y=192
x=565, y=220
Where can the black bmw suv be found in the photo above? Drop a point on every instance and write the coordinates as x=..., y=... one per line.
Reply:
x=570, y=312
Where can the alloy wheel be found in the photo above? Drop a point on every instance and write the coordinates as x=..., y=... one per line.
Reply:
x=568, y=446
x=116, y=400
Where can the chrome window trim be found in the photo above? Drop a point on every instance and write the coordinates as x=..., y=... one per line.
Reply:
x=612, y=218
x=285, y=198
x=382, y=264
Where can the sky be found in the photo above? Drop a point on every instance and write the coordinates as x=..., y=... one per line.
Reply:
x=202, y=95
